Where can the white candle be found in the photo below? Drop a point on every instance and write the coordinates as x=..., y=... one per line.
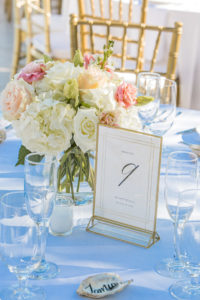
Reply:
x=61, y=221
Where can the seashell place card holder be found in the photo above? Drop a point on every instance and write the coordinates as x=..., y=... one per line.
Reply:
x=127, y=185
x=102, y=285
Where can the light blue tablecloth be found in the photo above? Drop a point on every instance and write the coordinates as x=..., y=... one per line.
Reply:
x=83, y=254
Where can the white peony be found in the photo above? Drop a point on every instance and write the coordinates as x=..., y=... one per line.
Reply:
x=85, y=127
x=46, y=127
x=128, y=118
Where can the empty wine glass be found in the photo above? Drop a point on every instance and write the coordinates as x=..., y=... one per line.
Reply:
x=189, y=245
x=20, y=246
x=40, y=187
x=181, y=174
x=148, y=86
x=166, y=112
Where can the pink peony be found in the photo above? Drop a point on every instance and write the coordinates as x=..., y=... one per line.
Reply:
x=33, y=72
x=126, y=95
x=87, y=59
x=14, y=99
x=109, y=118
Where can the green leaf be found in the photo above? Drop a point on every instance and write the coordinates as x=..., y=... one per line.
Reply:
x=78, y=59
x=46, y=58
x=143, y=100
x=21, y=155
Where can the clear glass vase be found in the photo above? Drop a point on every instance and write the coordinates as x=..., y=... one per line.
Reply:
x=76, y=179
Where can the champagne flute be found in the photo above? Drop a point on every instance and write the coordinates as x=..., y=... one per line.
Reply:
x=189, y=245
x=181, y=174
x=40, y=187
x=148, y=86
x=20, y=246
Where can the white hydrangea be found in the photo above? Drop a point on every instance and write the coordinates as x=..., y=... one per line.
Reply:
x=46, y=127
x=128, y=118
x=57, y=76
x=85, y=128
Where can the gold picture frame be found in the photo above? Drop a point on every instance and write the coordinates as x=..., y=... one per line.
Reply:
x=114, y=228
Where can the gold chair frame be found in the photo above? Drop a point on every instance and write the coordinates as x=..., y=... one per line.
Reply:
x=86, y=16
x=175, y=31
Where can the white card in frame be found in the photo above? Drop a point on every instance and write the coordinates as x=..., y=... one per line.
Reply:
x=127, y=185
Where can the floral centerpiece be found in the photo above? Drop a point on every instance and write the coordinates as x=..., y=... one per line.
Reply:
x=55, y=108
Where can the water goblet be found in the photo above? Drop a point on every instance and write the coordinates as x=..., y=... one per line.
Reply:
x=148, y=86
x=189, y=245
x=20, y=246
x=181, y=174
x=166, y=112
x=40, y=187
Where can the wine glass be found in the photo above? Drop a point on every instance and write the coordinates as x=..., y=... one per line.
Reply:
x=166, y=112
x=148, y=86
x=189, y=245
x=20, y=246
x=181, y=174
x=40, y=187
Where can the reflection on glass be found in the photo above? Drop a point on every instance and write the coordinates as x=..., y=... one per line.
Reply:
x=20, y=246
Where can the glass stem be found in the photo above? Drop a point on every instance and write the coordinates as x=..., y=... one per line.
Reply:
x=22, y=281
x=42, y=230
x=178, y=229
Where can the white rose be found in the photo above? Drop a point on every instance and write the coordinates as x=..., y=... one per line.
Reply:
x=46, y=127
x=85, y=127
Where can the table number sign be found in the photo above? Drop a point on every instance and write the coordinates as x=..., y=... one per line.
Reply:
x=127, y=185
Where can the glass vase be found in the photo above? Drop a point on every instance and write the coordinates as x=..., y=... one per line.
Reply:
x=76, y=179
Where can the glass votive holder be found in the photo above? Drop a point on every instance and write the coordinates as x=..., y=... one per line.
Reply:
x=61, y=221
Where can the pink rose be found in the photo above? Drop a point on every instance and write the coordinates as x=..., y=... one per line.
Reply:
x=14, y=99
x=92, y=78
x=33, y=72
x=87, y=59
x=109, y=118
x=126, y=95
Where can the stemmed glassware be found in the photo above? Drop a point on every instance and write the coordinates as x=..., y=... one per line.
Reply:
x=166, y=112
x=181, y=174
x=189, y=246
x=40, y=187
x=20, y=246
x=157, y=116
x=148, y=86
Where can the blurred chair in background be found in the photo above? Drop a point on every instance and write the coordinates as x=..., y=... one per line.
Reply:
x=8, y=9
x=111, y=10
x=124, y=33
x=37, y=29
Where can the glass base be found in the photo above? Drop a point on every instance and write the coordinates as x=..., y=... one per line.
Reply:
x=171, y=268
x=185, y=290
x=16, y=293
x=46, y=270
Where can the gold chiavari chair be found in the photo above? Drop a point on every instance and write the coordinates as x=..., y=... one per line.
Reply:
x=8, y=9
x=48, y=40
x=111, y=10
x=19, y=34
x=127, y=31
x=36, y=26
x=56, y=6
